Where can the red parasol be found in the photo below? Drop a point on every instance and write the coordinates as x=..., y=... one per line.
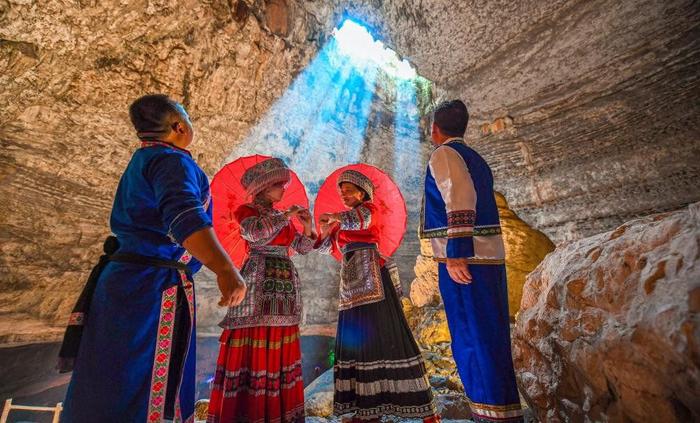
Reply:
x=387, y=198
x=228, y=194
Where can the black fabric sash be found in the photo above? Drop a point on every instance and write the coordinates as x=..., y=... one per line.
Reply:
x=354, y=246
x=74, y=330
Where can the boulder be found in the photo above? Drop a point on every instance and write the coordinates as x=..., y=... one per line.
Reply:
x=608, y=328
x=319, y=396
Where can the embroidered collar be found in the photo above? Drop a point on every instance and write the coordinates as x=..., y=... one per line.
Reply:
x=158, y=143
x=454, y=139
x=361, y=203
x=262, y=205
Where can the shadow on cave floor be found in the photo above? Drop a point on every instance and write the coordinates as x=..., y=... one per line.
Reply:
x=29, y=378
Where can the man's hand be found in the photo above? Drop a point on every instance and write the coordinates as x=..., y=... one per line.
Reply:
x=458, y=268
x=232, y=287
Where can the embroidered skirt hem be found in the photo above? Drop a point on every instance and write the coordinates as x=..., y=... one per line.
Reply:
x=258, y=376
x=379, y=370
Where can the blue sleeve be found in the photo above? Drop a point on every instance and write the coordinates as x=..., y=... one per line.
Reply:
x=175, y=179
x=460, y=247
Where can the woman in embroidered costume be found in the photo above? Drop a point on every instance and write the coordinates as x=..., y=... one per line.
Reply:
x=379, y=370
x=258, y=375
x=135, y=361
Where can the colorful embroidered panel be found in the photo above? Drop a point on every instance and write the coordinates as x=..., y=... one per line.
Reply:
x=279, y=296
x=460, y=222
x=76, y=319
x=159, y=376
x=164, y=342
x=360, y=279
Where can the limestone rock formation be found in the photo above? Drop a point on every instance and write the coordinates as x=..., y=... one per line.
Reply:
x=424, y=289
x=429, y=326
x=525, y=249
x=601, y=95
x=609, y=326
x=69, y=72
x=318, y=396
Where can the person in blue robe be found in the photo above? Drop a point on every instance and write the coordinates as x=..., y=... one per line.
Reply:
x=460, y=218
x=135, y=359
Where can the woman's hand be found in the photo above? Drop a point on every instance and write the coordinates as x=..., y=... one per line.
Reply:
x=294, y=210
x=324, y=226
x=304, y=217
x=329, y=218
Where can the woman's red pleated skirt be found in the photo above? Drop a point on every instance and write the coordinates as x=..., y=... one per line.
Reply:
x=258, y=376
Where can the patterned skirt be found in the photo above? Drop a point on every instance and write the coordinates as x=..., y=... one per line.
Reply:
x=379, y=370
x=258, y=376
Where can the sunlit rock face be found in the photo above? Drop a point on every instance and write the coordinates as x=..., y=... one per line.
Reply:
x=525, y=249
x=608, y=328
x=69, y=72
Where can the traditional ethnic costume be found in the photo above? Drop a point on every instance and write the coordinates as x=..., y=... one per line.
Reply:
x=460, y=218
x=379, y=369
x=258, y=375
x=136, y=357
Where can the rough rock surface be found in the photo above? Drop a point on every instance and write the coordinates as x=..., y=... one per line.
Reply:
x=429, y=326
x=609, y=326
x=318, y=396
x=601, y=96
x=69, y=72
x=525, y=249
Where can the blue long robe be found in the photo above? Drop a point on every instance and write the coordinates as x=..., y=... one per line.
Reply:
x=460, y=217
x=136, y=358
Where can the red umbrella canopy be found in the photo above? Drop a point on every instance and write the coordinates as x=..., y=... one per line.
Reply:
x=387, y=198
x=228, y=194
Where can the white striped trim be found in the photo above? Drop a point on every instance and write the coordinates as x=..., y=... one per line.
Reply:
x=389, y=364
x=383, y=385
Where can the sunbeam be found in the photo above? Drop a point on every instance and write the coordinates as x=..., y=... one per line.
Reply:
x=320, y=122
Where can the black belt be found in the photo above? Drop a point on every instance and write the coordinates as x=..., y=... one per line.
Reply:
x=147, y=261
x=74, y=331
x=354, y=246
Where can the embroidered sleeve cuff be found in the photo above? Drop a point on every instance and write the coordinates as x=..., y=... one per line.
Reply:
x=356, y=219
x=187, y=223
x=460, y=247
x=257, y=228
x=303, y=244
x=460, y=223
x=324, y=246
